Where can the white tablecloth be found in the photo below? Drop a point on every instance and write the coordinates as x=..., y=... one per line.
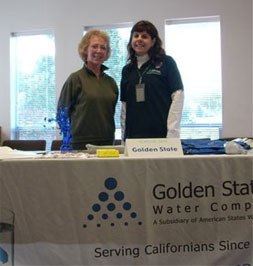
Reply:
x=191, y=210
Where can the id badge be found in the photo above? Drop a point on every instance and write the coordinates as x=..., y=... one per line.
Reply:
x=140, y=92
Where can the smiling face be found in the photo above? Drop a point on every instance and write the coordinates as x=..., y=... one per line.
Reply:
x=96, y=51
x=142, y=42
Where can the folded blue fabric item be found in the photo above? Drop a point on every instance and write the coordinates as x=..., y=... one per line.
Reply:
x=206, y=146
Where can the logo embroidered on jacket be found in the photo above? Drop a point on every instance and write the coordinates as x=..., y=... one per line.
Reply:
x=154, y=72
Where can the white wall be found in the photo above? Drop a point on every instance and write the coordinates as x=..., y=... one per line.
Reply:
x=67, y=18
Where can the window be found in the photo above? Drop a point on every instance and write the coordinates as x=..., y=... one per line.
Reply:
x=119, y=36
x=195, y=45
x=33, y=85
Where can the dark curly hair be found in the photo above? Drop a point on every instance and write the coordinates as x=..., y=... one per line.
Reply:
x=156, y=52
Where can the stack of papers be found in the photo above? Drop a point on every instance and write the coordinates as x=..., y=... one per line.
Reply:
x=9, y=153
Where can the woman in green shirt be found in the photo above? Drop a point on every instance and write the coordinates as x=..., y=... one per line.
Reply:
x=90, y=95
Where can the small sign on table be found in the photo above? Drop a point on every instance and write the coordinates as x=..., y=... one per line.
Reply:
x=155, y=147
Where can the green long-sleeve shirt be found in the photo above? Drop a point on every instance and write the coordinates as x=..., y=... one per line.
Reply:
x=91, y=105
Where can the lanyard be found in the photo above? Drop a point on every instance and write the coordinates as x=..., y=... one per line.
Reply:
x=144, y=72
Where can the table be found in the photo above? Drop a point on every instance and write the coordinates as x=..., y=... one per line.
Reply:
x=191, y=210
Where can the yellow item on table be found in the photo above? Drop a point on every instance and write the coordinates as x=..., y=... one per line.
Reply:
x=107, y=153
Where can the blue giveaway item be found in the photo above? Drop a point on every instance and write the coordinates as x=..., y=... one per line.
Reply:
x=64, y=123
x=206, y=146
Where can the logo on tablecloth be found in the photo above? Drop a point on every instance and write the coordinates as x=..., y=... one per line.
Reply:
x=112, y=208
x=3, y=256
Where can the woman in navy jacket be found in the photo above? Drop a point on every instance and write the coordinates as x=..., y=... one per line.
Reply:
x=151, y=87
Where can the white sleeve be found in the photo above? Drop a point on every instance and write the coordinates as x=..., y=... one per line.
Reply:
x=123, y=119
x=175, y=114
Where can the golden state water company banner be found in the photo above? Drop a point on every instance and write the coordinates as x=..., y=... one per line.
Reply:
x=194, y=210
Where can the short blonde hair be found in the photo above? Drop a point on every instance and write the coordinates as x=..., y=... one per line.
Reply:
x=85, y=42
